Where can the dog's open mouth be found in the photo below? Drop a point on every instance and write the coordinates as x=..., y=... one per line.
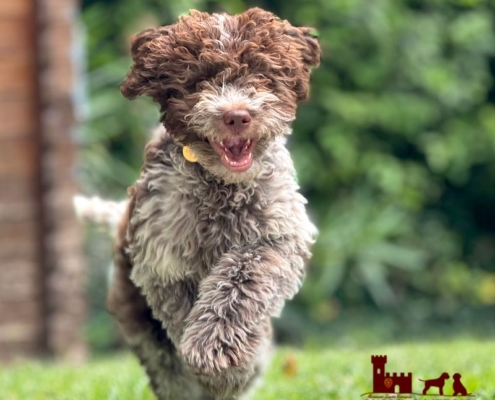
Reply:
x=235, y=153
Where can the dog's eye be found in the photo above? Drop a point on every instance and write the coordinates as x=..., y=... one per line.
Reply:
x=169, y=93
x=213, y=70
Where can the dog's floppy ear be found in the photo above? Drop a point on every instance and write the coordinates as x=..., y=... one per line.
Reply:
x=307, y=41
x=142, y=74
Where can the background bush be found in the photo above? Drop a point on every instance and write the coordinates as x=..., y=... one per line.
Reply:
x=395, y=150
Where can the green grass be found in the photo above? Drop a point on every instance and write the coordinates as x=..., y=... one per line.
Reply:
x=326, y=373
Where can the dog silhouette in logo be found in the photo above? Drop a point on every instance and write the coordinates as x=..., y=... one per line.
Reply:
x=439, y=383
x=459, y=389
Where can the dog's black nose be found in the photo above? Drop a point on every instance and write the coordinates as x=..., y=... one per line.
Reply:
x=237, y=120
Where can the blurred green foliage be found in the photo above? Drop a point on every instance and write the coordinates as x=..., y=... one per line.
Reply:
x=395, y=149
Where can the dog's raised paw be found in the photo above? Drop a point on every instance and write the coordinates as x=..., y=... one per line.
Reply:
x=209, y=348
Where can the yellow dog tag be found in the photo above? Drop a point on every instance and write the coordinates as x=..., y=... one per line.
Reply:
x=188, y=154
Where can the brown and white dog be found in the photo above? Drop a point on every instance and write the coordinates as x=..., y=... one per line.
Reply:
x=216, y=235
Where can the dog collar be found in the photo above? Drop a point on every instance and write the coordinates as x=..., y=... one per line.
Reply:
x=189, y=154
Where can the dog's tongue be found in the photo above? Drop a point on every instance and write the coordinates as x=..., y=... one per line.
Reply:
x=235, y=153
x=236, y=148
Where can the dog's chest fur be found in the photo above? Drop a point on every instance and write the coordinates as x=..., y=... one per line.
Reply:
x=184, y=220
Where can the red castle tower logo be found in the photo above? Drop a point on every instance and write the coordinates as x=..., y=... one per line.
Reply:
x=384, y=382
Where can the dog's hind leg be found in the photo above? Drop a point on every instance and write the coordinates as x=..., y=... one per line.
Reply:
x=170, y=378
x=425, y=390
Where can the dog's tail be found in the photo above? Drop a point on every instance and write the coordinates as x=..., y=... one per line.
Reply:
x=107, y=214
x=104, y=213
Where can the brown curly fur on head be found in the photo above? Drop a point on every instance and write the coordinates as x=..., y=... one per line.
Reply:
x=204, y=66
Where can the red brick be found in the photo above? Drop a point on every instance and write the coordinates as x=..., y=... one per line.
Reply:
x=15, y=8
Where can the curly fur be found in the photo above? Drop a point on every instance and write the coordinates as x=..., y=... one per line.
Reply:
x=205, y=256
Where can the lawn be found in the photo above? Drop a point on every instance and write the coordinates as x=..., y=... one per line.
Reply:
x=309, y=374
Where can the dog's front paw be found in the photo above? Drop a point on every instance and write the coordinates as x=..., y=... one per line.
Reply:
x=210, y=346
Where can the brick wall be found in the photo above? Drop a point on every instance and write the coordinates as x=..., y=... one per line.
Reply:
x=42, y=299
x=21, y=305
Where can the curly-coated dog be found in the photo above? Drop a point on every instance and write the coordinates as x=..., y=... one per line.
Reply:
x=438, y=382
x=216, y=235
